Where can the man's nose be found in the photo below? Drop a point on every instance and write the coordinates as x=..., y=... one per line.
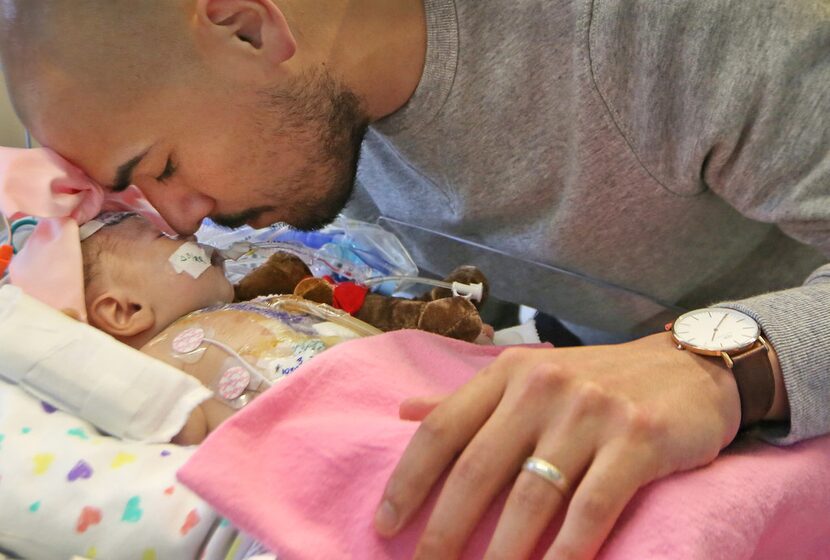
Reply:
x=184, y=209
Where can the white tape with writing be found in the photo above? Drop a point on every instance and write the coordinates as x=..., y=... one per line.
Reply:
x=190, y=258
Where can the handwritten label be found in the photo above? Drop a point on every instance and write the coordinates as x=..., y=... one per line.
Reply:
x=191, y=259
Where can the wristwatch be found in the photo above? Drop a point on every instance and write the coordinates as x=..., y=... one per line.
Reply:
x=736, y=338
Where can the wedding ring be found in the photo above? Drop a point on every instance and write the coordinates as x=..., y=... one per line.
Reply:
x=547, y=471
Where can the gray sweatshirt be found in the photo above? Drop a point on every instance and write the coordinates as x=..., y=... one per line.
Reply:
x=613, y=162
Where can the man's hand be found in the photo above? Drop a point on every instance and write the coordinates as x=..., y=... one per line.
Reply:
x=611, y=418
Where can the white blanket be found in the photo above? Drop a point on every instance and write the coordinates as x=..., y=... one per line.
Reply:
x=65, y=489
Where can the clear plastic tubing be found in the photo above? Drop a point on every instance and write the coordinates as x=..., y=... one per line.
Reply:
x=413, y=279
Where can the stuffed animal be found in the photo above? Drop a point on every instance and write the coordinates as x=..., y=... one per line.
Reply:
x=437, y=312
x=279, y=275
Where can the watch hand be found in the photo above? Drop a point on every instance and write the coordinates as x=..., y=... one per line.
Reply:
x=722, y=319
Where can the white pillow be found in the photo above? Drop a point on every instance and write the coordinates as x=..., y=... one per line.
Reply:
x=66, y=489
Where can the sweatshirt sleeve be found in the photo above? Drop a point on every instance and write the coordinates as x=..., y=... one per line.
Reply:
x=734, y=97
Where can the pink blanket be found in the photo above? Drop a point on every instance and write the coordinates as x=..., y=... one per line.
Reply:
x=303, y=467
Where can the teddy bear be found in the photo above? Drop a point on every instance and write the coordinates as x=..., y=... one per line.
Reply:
x=437, y=311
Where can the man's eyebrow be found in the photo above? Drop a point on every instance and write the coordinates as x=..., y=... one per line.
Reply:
x=124, y=173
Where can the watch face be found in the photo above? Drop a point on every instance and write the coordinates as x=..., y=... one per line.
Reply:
x=716, y=330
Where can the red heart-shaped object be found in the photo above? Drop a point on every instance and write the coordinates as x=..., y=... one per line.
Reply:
x=89, y=516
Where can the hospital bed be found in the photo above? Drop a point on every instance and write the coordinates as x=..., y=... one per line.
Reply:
x=67, y=488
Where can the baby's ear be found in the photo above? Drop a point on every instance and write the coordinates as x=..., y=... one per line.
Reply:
x=121, y=314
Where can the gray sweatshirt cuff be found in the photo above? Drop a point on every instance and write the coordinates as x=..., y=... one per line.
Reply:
x=797, y=324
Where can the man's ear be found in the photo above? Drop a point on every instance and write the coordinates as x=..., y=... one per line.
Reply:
x=254, y=30
x=120, y=314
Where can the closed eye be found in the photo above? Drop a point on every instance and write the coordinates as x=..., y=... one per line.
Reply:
x=169, y=169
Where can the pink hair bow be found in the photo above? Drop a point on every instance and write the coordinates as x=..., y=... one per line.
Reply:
x=39, y=182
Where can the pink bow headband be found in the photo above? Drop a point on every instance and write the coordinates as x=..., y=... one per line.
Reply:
x=40, y=183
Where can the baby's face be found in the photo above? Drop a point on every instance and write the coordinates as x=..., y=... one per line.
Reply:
x=144, y=255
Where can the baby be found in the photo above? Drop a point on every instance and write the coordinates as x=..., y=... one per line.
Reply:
x=184, y=317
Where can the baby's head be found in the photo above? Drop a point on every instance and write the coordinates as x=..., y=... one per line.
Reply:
x=132, y=289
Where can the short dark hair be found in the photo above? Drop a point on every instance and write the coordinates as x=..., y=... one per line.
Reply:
x=126, y=46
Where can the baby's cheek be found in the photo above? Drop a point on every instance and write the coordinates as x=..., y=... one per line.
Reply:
x=185, y=293
x=210, y=288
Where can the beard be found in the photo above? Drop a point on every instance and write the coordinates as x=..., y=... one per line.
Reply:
x=325, y=123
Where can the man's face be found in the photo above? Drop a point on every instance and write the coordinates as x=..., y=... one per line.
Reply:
x=287, y=154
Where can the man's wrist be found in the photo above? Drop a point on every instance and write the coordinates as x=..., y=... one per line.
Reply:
x=721, y=376
x=780, y=409
x=748, y=356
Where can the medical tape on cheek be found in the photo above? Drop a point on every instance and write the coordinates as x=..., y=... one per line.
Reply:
x=190, y=258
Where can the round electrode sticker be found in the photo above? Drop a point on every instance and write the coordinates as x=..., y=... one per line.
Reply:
x=188, y=340
x=233, y=383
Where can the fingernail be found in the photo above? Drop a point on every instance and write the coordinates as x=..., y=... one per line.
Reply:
x=386, y=518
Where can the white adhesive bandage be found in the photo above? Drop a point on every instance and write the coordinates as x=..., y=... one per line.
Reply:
x=89, y=374
x=190, y=258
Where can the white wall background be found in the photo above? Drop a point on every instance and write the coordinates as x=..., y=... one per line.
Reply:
x=11, y=131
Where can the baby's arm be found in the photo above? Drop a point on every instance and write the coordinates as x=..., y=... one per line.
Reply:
x=205, y=418
x=206, y=415
x=195, y=429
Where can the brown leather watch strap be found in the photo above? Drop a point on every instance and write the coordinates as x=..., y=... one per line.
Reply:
x=756, y=383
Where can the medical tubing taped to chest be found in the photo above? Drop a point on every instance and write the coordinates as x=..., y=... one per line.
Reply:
x=85, y=372
x=256, y=343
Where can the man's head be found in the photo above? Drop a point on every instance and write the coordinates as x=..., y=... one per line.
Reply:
x=208, y=106
x=133, y=291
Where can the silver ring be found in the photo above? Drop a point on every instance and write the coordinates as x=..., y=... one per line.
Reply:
x=547, y=471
